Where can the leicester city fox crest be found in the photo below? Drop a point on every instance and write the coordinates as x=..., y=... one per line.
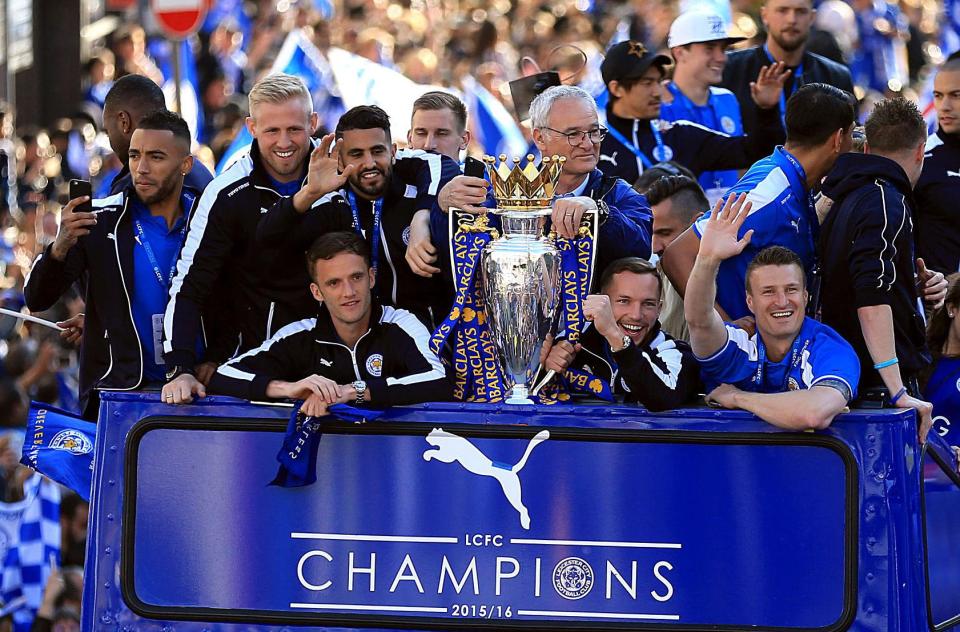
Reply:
x=375, y=365
x=71, y=441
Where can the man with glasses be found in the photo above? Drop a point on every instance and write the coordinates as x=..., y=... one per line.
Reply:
x=638, y=137
x=565, y=123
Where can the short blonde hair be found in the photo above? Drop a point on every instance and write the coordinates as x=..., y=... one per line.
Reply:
x=277, y=88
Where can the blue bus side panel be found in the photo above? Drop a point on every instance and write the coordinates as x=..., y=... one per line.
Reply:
x=675, y=518
x=635, y=522
x=941, y=509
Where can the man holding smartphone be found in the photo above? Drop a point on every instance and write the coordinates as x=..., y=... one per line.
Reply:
x=126, y=245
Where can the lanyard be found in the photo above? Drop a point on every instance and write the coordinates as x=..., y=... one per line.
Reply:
x=796, y=354
x=696, y=111
x=797, y=81
x=659, y=152
x=152, y=258
x=377, y=210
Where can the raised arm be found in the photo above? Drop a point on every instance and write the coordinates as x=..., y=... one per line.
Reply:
x=288, y=225
x=62, y=262
x=718, y=242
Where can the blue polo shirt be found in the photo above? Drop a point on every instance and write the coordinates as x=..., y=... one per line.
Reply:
x=149, y=298
x=782, y=215
x=819, y=357
x=721, y=114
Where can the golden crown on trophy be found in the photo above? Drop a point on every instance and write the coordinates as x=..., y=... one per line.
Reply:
x=527, y=189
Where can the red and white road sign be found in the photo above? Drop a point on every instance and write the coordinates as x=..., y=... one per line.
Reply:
x=179, y=18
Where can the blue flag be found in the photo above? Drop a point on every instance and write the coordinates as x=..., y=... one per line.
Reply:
x=231, y=14
x=191, y=108
x=298, y=57
x=298, y=454
x=492, y=125
x=60, y=446
x=27, y=561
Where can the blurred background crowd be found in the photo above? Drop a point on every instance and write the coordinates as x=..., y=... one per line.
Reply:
x=62, y=57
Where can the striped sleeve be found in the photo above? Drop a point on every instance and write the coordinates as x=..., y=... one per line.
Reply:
x=416, y=374
x=278, y=358
x=734, y=362
x=428, y=171
x=204, y=253
x=662, y=376
x=882, y=222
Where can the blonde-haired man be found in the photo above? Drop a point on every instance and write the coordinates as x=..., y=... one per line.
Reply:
x=221, y=262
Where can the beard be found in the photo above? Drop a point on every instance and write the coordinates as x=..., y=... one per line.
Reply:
x=791, y=42
x=163, y=191
x=371, y=190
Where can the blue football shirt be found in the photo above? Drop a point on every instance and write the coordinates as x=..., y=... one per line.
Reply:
x=782, y=215
x=721, y=113
x=819, y=356
x=149, y=294
x=943, y=391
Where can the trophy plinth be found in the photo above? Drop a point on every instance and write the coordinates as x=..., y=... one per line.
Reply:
x=521, y=270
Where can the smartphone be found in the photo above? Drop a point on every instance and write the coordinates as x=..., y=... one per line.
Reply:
x=79, y=188
x=474, y=168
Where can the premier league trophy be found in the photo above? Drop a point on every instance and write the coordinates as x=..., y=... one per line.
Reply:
x=521, y=270
x=513, y=291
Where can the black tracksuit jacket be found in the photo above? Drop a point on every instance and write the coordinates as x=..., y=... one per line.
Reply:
x=743, y=66
x=258, y=289
x=417, y=178
x=110, y=354
x=867, y=259
x=692, y=145
x=660, y=375
x=392, y=357
x=937, y=211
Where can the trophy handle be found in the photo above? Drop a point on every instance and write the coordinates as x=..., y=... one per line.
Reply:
x=546, y=379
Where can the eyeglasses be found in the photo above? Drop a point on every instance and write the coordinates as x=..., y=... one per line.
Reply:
x=576, y=137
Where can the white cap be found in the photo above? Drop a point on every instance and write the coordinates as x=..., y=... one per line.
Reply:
x=699, y=26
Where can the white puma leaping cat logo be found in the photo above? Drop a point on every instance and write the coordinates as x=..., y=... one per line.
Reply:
x=450, y=448
x=612, y=158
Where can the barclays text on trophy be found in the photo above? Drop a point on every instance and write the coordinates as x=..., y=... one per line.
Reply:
x=521, y=270
x=515, y=289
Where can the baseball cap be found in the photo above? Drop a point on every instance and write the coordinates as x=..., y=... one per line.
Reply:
x=699, y=26
x=629, y=60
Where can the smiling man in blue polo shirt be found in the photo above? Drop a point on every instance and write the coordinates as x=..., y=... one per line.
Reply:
x=794, y=373
x=820, y=121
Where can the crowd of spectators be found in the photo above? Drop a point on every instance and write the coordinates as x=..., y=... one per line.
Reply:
x=891, y=49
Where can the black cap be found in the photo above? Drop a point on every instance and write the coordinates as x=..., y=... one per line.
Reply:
x=629, y=60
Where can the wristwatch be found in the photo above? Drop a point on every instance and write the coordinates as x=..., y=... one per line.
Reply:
x=176, y=371
x=603, y=212
x=626, y=343
x=360, y=387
